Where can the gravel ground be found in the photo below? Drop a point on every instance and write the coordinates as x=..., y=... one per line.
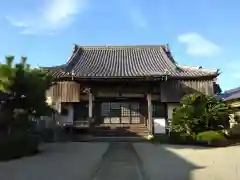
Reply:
x=169, y=162
x=59, y=161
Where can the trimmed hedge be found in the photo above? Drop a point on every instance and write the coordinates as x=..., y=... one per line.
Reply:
x=174, y=138
x=212, y=138
x=180, y=138
x=160, y=138
x=19, y=144
x=207, y=138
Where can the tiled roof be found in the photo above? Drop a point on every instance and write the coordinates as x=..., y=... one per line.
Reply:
x=230, y=94
x=234, y=90
x=125, y=61
x=57, y=71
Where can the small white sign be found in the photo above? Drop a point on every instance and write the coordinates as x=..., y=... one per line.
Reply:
x=159, y=125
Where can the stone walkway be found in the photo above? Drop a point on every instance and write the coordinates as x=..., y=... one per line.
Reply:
x=120, y=162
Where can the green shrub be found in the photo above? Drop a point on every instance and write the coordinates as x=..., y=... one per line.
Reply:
x=180, y=138
x=210, y=137
x=161, y=138
x=18, y=144
x=198, y=112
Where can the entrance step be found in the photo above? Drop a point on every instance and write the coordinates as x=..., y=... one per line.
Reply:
x=132, y=130
x=111, y=139
x=120, y=134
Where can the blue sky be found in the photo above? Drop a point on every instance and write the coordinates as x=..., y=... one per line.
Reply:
x=200, y=33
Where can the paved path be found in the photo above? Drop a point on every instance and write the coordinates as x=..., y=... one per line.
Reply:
x=120, y=162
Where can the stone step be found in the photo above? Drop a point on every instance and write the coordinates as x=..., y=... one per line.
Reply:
x=111, y=139
x=121, y=131
x=121, y=127
x=121, y=134
x=117, y=127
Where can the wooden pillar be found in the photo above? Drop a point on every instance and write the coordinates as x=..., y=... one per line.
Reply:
x=90, y=105
x=150, y=119
x=90, y=112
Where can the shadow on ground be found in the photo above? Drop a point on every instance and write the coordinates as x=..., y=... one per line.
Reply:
x=61, y=161
x=160, y=162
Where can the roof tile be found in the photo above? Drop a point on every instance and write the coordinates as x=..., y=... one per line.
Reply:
x=125, y=61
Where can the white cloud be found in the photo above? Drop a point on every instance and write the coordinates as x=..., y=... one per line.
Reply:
x=198, y=46
x=137, y=18
x=53, y=15
x=16, y=23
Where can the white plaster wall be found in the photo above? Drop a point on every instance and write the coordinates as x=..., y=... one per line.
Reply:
x=159, y=125
x=68, y=119
x=170, y=108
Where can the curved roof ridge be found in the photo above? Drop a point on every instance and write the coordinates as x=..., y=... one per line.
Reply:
x=199, y=68
x=62, y=66
x=232, y=90
x=123, y=47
